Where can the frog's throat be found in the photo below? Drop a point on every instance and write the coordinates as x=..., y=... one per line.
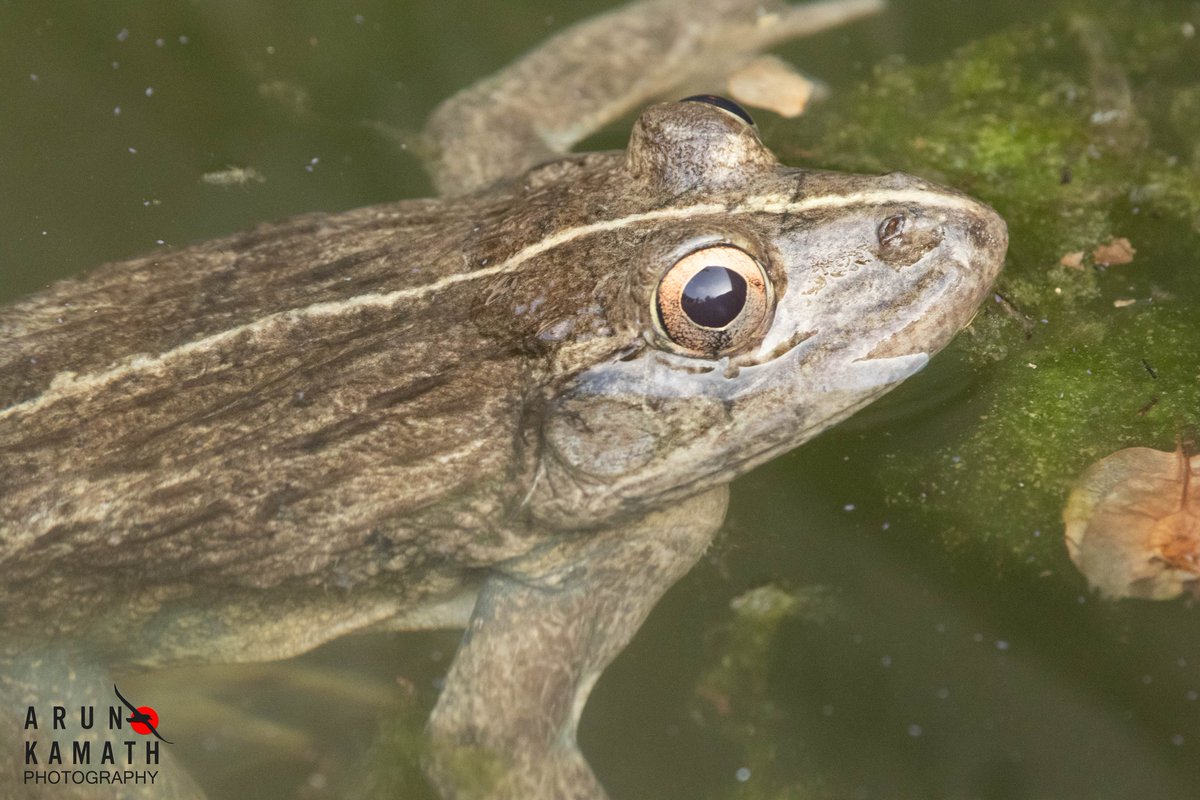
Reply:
x=68, y=384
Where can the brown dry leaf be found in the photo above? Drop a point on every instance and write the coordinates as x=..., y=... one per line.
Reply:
x=1118, y=251
x=1072, y=260
x=1133, y=524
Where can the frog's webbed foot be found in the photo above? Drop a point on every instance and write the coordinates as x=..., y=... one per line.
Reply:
x=539, y=106
x=542, y=632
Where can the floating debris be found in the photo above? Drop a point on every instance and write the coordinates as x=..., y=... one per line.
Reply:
x=233, y=176
x=1118, y=251
x=1072, y=260
x=1133, y=524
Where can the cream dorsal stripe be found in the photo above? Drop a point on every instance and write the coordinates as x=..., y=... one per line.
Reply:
x=67, y=385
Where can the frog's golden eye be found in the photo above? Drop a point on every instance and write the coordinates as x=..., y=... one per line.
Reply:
x=712, y=301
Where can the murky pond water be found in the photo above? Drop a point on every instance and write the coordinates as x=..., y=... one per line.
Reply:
x=914, y=627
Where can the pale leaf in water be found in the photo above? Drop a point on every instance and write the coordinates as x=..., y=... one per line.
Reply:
x=771, y=83
x=1118, y=251
x=1132, y=526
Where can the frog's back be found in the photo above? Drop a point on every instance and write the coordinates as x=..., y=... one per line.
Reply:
x=238, y=426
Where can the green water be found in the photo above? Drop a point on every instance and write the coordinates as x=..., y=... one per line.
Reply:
x=930, y=638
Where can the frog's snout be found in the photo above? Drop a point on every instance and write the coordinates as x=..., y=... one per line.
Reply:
x=961, y=247
x=988, y=237
x=976, y=240
x=979, y=242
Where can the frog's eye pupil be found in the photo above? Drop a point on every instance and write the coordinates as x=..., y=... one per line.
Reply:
x=714, y=297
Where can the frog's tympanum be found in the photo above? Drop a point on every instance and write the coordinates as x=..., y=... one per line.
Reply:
x=516, y=408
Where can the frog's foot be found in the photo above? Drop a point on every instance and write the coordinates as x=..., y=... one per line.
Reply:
x=542, y=632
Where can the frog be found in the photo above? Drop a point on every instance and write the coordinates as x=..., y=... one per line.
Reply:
x=514, y=409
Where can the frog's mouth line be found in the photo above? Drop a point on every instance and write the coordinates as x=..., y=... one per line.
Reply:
x=736, y=363
x=879, y=372
x=896, y=370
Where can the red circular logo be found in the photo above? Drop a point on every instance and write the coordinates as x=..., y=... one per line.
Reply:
x=141, y=727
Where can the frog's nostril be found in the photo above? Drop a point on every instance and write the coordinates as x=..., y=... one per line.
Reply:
x=892, y=229
x=904, y=239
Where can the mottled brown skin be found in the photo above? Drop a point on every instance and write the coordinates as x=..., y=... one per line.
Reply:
x=449, y=412
x=314, y=455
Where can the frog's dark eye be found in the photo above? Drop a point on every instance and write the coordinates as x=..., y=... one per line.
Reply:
x=723, y=103
x=712, y=301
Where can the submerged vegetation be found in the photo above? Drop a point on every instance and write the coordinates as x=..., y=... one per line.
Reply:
x=1082, y=131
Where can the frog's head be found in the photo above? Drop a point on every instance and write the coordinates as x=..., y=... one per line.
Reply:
x=761, y=305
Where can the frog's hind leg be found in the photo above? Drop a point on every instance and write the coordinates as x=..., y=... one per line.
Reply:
x=542, y=104
x=542, y=632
